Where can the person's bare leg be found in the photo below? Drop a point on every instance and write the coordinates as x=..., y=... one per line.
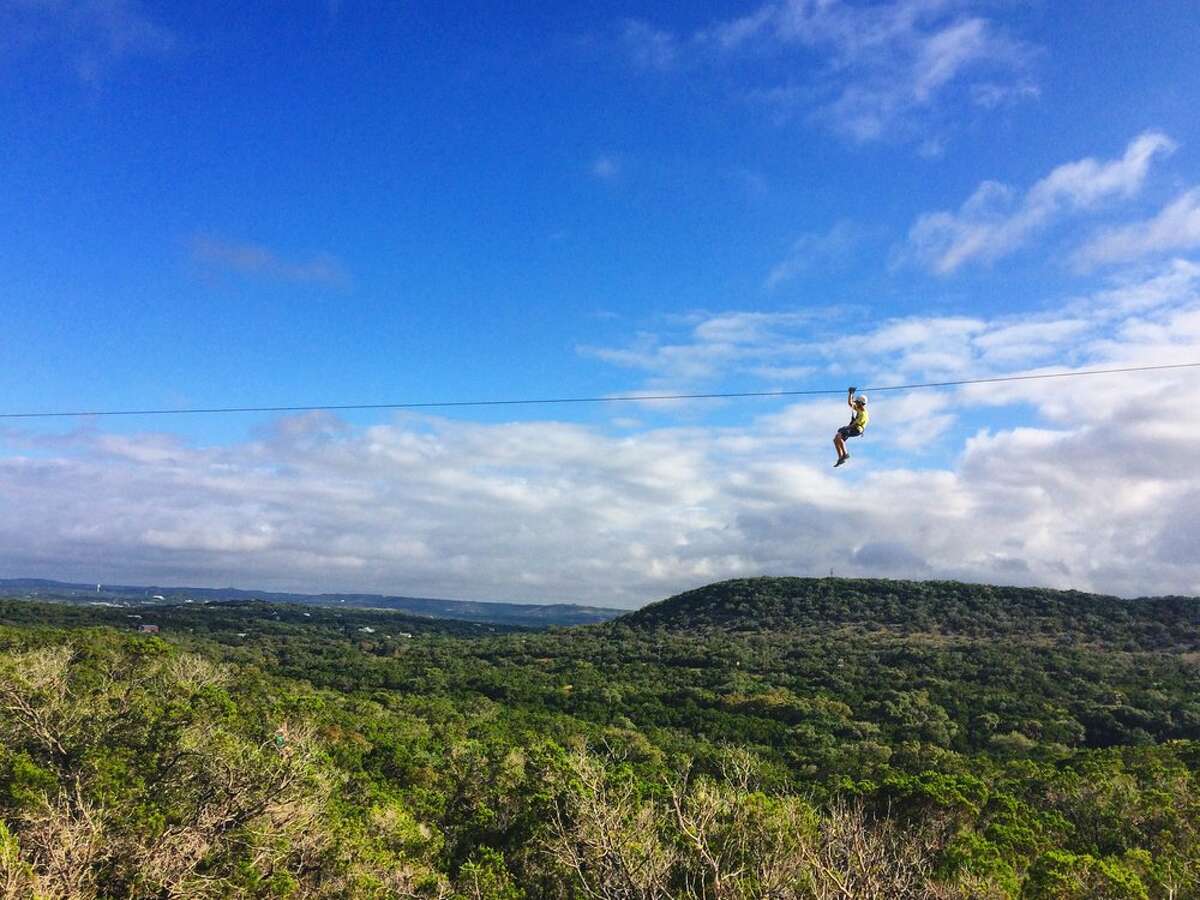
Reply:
x=840, y=445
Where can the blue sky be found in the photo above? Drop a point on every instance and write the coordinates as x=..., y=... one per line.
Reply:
x=212, y=205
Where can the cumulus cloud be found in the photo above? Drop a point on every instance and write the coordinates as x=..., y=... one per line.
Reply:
x=869, y=71
x=783, y=349
x=995, y=220
x=1175, y=283
x=1018, y=344
x=255, y=260
x=1175, y=228
x=1089, y=483
x=1122, y=323
x=712, y=345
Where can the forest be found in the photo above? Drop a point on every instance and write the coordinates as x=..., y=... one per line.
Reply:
x=759, y=738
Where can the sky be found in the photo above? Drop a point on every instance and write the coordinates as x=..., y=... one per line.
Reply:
x=353, y=202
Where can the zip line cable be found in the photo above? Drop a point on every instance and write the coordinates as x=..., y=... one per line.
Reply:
x=564, y=400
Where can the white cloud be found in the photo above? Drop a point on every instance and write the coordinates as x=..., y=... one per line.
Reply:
x=993, y=222
x=816, y=252
x=255, y=260
x=1175, y=228
x=1029, y=342
x=991, y=96
x=1088, y=483
x=945, y=335
x=548, y=511
x=1178, y=282
x=713, y=345
x=649, y=47
x=1085, y=183
x=746, y=327
x=869, y=71
x=785, y=350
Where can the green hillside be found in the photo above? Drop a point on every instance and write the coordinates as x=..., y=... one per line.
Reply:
x=763, y=738
x=930, y=607
x=153, y=597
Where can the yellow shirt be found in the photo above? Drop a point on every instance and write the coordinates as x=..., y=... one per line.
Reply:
x=861, y=418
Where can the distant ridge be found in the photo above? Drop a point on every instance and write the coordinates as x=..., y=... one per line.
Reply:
x=911, y=607
x=526, y=614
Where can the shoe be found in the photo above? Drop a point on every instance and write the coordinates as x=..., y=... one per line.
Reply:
x=841, y=459
x=845, y=457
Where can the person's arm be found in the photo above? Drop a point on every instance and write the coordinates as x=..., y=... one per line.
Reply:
x=850, y=398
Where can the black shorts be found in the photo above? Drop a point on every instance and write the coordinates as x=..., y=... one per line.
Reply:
x=849, y=431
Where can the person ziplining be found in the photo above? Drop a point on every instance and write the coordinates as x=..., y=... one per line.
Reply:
x=858, y=424
x=856, y=427
x=613, y=398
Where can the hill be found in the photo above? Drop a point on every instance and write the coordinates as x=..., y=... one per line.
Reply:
x=244, y=621
x=765, y=739
x=529, y=615
x=947, y=608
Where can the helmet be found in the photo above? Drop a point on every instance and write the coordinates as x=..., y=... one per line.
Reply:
x=861, y=398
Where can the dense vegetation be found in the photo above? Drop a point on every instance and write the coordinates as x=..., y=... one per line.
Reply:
x=760, y=738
